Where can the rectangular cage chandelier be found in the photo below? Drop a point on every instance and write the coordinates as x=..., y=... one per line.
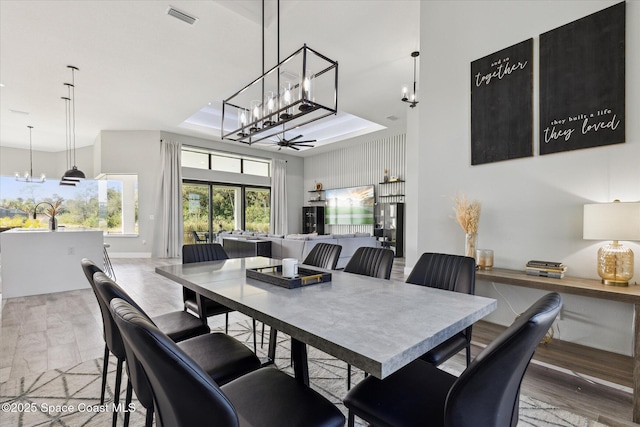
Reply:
x=301, y=89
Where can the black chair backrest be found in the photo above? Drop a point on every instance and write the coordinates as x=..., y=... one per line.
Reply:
x=324, y=255
x=443, y=271
x=487, y=392
x=110, y=330
x=373, y=262
x=203, y=252
x=107, y=291
x=184, y=394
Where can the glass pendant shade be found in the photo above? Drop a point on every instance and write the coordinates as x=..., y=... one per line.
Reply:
x=613, y=221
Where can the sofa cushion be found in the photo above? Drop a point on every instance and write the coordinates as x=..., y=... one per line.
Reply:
x=342, y=236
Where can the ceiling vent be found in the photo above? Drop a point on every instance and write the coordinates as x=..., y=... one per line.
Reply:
x=185, y=17
x=392, y=118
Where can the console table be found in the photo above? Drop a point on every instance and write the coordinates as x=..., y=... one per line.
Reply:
x=584, y=287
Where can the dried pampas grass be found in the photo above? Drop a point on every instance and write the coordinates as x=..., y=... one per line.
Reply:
x=467, y=214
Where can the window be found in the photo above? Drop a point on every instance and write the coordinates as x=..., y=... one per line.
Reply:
x=253, y=167
x=195, y=159
x=109, y=204
x=225, y=162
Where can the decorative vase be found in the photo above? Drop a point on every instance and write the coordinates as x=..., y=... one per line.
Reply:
x=470, y=244
x=53, y=223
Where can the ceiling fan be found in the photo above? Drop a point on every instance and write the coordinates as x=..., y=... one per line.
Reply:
x=293, y=143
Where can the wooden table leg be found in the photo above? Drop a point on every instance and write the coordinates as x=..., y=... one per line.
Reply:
x=636, y=363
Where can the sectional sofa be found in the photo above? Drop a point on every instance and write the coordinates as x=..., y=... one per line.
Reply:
x=299, y=245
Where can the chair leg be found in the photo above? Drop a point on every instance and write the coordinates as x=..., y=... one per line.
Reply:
x=468, y=354
x=351, y=419
x=105, y=368
x=348, y=377
x=262, y=337
x=226, y=323
x=149, y=419
x=255, y=349
x=127, y=401
x=116, y=396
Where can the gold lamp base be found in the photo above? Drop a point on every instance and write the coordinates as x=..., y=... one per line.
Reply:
x=615, y=264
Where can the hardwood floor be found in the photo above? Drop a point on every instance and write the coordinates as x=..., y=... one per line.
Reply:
x=44, y=332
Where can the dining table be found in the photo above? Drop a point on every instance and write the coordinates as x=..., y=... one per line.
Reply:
x=374, y=324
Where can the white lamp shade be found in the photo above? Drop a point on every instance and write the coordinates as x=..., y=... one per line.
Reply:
x=611, y=221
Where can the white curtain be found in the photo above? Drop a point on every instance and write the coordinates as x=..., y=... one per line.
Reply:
x=168, y=233
x=279, y=197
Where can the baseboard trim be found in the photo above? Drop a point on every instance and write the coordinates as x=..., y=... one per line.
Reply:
x=129, y=254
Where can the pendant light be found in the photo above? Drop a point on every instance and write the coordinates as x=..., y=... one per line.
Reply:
x=28, y=176
x=74, y=174
x=411, y=98
x=300, y=89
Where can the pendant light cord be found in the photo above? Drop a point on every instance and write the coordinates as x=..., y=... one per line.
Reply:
x=30, y=153
x=73, y=103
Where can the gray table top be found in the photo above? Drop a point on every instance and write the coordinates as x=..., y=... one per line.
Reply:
x=376, y=325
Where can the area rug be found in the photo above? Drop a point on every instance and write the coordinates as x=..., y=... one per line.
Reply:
x=70, y=397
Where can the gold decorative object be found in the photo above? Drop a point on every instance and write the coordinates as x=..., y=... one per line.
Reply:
x=318, y=186
x=613, y=221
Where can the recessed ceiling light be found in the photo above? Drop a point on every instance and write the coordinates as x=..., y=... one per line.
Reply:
x=1, y=84
x=392, y=118
x=19, y=112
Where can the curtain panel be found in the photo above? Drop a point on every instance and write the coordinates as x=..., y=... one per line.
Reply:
x=279, y=197
x=169, y=227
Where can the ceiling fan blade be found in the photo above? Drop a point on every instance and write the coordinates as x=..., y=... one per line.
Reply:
x=303, y=145
x=305, y=142
x=294, y=138
x=294, y=147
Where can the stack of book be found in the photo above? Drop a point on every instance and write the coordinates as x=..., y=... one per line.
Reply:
x=546, y=269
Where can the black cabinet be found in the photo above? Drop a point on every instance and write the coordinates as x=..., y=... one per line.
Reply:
x=389, y=227
x=313, y=219
x=237, y=247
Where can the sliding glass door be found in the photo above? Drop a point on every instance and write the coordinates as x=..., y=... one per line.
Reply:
x=209, y=208
x=257, y=202
x=196, y=213
x=227, y=205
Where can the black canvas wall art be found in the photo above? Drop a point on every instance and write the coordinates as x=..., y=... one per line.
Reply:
x=501, y=105
x=582, y=82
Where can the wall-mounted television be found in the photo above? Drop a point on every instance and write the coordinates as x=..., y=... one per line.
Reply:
x=353, y=205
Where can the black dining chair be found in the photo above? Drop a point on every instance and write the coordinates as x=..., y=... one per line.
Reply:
x=223, y=357
x=199, y=236
x=487, y=393
x=207, y=307
x=179, y=325
x=184, y=395
x=324, y=255
x=372, y=262
x=452, y=273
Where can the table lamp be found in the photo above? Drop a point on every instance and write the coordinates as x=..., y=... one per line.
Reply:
x=613, y=221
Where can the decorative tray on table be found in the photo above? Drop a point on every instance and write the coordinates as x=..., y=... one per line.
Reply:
x=273, y=275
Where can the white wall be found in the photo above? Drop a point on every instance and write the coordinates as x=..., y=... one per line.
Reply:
x=531, y=207
x=52, y=164
x=132, y=152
